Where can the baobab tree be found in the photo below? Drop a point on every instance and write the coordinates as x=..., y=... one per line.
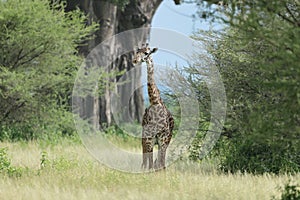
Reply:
x=115, y=16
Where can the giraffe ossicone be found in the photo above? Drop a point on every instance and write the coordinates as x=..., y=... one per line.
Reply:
x=158, y=122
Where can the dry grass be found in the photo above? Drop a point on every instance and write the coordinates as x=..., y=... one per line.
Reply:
x=71, y=173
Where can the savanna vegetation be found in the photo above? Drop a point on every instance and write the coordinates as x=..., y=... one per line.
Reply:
x=257, y=56
x=65, y=170
x=38, y=64
x=256, y=157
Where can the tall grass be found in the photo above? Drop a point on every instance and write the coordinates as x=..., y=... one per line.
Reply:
x=65, y=170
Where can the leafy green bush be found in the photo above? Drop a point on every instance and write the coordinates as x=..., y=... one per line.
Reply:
x=290, y=192
x=258, y=156
x=16, y=132
x=44, y=161
x=38, y=64
x=6, y=167
x=259, y=66
x=60, y=164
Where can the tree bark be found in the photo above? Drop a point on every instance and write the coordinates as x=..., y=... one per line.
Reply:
x=114, y=20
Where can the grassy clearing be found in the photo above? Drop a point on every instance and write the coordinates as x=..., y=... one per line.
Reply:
x=69, y=172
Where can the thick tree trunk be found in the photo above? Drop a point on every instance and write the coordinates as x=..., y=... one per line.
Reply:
x=112, y=20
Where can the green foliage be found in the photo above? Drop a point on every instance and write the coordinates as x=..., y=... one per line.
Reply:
x=195, y=82
x=258, y=57
x=70, y=166
x=38, y=62
x=125, y=132
x=44, y=161
x=4, y=161
x=197, y=143
x=16, y=132
x=6, y=167
x=60, y=164
x=194, y=149
x=290, y=192
x=125, y=136
x=258, y=156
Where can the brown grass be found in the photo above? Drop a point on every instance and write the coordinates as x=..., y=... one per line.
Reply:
x=71, y=173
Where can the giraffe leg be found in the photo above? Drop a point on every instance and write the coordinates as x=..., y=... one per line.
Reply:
x=150, y=156
x=161, y=157
x=145, y=158
x=158, y=160
x=147, y=153
x=162, y=148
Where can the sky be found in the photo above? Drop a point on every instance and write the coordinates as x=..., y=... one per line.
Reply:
x=179, y=21
x=177, y=18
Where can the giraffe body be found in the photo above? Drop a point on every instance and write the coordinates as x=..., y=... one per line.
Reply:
x=158, y=122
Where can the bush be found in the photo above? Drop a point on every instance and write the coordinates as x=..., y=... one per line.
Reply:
x=38, y=64
x=259, y=156
x=290, y=192
x=6, y=167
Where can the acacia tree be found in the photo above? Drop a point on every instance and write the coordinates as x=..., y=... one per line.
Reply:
x=38, y=62
x=258, y=59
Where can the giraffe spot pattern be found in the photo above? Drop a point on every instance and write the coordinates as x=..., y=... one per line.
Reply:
x=157, y=122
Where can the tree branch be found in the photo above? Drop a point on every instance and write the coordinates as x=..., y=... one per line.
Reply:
x=282, y=16
x=33, y=57
x=18, y=58
x=15, y=107
x=177, y=2
x=297, y=22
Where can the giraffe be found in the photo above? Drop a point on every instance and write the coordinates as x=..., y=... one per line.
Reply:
x=158, y=122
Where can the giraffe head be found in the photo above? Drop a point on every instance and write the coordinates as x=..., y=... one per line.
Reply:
x=143, y=54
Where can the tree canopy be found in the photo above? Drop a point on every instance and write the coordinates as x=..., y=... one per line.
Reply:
x=258, y=57
x=38, y=62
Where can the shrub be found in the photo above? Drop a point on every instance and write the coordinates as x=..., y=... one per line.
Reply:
x=290, y=192
x=259, y=156
x=38, y=64
x=6, y=167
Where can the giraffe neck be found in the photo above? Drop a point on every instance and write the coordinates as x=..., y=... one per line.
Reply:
x=153, y=92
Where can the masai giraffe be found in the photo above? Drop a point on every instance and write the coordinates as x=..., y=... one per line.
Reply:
x=158, y=122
